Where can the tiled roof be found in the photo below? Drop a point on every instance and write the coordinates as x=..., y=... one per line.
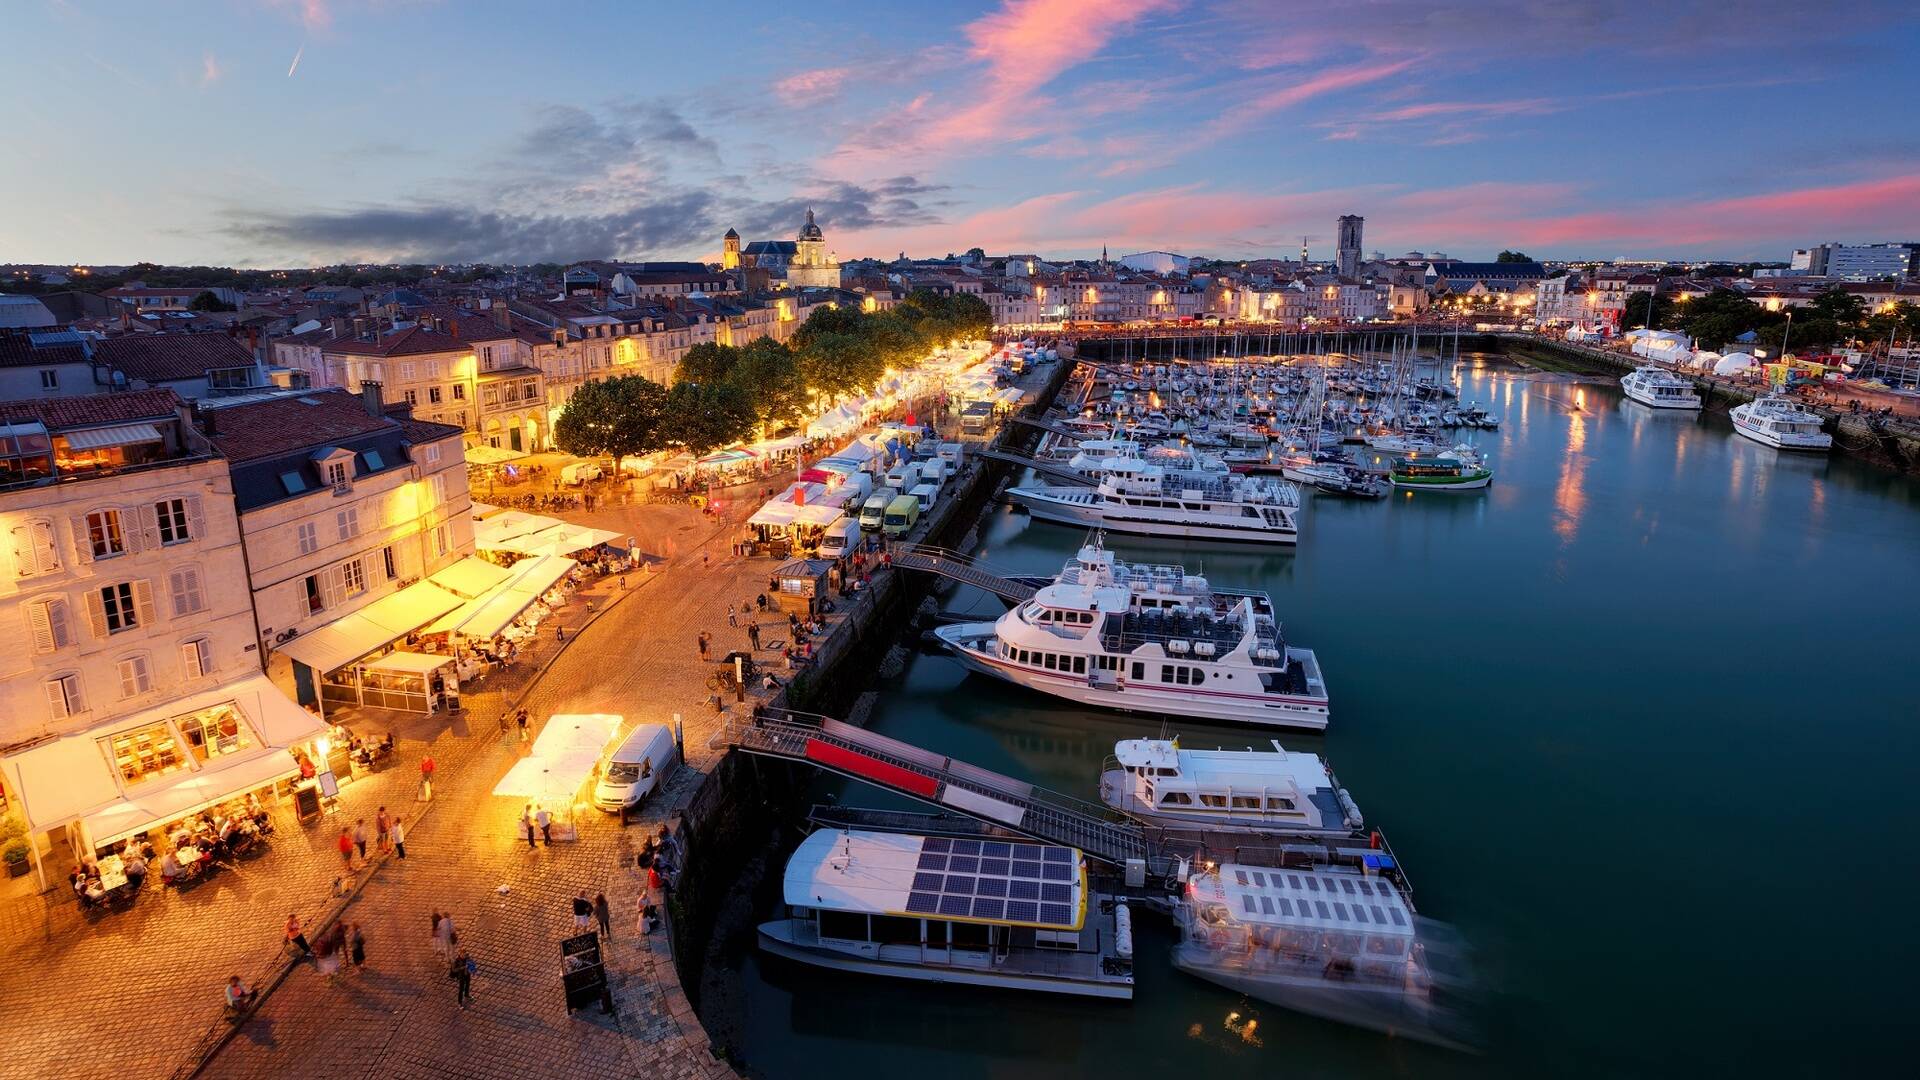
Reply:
x=426, y=431
x=409, y=342
x=157, y=358
x=92, y=410
x=17, y=350
x=266, y=428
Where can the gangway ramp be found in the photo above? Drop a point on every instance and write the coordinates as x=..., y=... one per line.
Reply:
x=1056, y=470
x=953, y=565
x=904, y=769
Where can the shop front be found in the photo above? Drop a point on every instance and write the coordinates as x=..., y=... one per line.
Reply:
x=348, y=653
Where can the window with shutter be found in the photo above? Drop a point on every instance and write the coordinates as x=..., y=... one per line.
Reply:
x=117, y=607
x=48, y=618
x=196, y=657
x=64, y=698
x=309, y=537
x=187, y=597
x=143, y=597
x=135, y=677
x=348, y=522
x=170, y=515
x=101, y=534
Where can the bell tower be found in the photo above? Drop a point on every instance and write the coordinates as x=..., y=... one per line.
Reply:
x=730, y=251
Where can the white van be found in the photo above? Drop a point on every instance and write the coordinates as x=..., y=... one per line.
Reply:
x=641, y=765
x=904, y=475
x=934, y=471
x=841, y=537
x=579, y=472
x=927, y=494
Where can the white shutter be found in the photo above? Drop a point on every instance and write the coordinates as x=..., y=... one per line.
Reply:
x=46, y=555
x=96, y=614
x=196, y=518
x=143, y=600
x=185, y=584
x=40, y=619
x=190, y=660
x=57, y=699
x=82, y=539
x=129, y=677
x=56, y=614
x=23, y=563
x=148, y=527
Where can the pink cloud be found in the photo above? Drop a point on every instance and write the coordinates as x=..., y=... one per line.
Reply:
x=1254, y=109
x=1886, y=206
x=210, y=71
x=811, y=87
x=1428, y=109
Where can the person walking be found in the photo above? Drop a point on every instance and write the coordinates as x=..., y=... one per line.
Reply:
x=399, y=839
x=433, y=937
x=346, y=848
x=732, y=618
x=360, y=837
x=546, y=826
x=701, y=642
x=446, y=937
x=462, y=975
x=356, y=947
x=294, y=935
x=603, y=914
x=383, y=829
x=753, y=635
x=426, y=778
x=526, y=825
x=521, y=719
x=582, y=911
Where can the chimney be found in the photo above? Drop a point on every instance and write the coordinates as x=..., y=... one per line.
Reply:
x=253, y=341
x=452, y=328
x=501, y=318
x=370, y=397
x=342, y=327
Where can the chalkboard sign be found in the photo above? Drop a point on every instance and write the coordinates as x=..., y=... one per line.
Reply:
x=582, y=975
x=306, y=802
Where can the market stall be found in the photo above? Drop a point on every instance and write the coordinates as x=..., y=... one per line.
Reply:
x=564, y=758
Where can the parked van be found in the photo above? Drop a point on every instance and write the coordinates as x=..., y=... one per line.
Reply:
x=934, y=471
x=925, y=494
x=904, y=475
x=841, y=537
x=640, y=766
x=902, y=514
x=975, y=417
x=873, y=512
x=579, y=472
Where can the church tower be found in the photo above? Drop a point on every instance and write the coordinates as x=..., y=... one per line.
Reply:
x=730, y=251
x=812, y=265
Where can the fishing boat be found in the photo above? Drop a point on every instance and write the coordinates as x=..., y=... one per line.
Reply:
x=1458, y=469
x=1659, y=388
x=1138, y=497
x=1782, y=423
x=977, y=912
x=1153, y=639
x=1260, y=791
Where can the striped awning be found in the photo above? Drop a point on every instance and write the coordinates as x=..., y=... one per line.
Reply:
x=117, y=435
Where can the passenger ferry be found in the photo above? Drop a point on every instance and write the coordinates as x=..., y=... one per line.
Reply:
x=1138, y=497
x=1782, y=423
x=1458, y=469
x=1228, y=790
x=980, y=912
x=1341, y=943
x=1659, y=388
x=1148, y=639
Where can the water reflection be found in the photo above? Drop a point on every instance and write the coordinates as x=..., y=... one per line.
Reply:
x=1569, y=498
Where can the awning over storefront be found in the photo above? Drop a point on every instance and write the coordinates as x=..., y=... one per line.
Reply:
x=72, y=778
x=196, y=792
x=344, y=640
x=562, y=539
x=494, y=533
x=410, y=663
x=491, y=455
x=470, y=577
x=486, y=616
x=118, y=435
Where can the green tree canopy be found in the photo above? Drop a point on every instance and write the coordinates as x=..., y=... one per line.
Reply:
x=703, y=417
x=1634, y=315
x=1512, y=257
x=207, y=301
x=706, y=363
x=622, y=416
x=769, y=374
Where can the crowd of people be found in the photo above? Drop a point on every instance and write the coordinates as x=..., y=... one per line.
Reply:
x=197, y=845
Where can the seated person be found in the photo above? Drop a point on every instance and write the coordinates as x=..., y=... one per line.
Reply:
x=93, y=890
x=77, y=878
x=136, y=868
x=239, y=995
x=170, y=869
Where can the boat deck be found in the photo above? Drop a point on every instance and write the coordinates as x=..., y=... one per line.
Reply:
x=1083, y=963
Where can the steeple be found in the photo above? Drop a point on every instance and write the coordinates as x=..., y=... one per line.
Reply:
x=1103, y=254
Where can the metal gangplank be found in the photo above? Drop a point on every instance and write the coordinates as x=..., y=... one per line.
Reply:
x=939, y=781
x=1053, y=469
x=1043, y=424
x=953, y=565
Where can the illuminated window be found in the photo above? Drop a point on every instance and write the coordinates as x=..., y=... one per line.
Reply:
x=213, y=732
x=104, y=535
x=353, y=578
x=145, y=753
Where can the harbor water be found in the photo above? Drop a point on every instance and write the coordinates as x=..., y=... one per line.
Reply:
x=1640, y=721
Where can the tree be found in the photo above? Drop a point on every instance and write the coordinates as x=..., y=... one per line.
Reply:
x=706, y=363
x=207, y=301
x=1840, y=306
x=1635, y=313
x=831, y=364
x=770, y=375
x=1512, y=257
x=703, y=417
x=622, y=416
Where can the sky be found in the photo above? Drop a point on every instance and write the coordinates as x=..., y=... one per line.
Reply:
x=271, y=133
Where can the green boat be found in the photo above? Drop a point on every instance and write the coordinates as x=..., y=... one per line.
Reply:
x=1459, y=469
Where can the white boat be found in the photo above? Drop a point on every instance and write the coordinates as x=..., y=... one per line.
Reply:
x=1660, y=389
x=1137, y=497
x=1341, y=943
x=1259, y=791
x=978, y=912
x=1151, y=639
x=1782, y=423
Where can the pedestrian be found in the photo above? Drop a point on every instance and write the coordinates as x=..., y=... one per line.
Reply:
x=446, y=937
x=433, y=936
x=346, y=848
x=526, y=825
x=732, y=619
x=604, y=914
x=703, y=641
x=521, y=718
x=559, y=632
x=294, y=935
x=703, y=560
x=326, y=957
x=426, y=778
x=383, y=829
x=582, y=911
x=399, y=839
x=462, y=975
x=546, y=826
x=753, y=634
x=356, y=947
x=360, y=837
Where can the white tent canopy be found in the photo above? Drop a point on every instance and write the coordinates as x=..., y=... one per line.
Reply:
x=563, y=757
x=1733, y=363
x=485, y=616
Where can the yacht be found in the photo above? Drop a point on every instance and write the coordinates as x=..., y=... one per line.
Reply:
x=1458, y=469
x=1340, y=942
x=1138, y=497
x=978, y=912
x=1148, y=639
x=1250, y=790
x=1659, y=388
x=1332, y=473
x=1782, y=423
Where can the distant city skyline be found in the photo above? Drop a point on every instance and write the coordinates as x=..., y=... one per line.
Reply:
x=312, y=132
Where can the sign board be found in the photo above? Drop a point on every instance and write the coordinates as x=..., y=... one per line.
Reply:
x=329, y=785
x=306, y=802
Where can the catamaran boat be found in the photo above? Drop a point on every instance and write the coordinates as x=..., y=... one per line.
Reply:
x=1660, y=389
x=1338, y=942
x=1148, y=639
x=1782, y=423
x=1258, y=791
x=979, y=912
x=1138, y=497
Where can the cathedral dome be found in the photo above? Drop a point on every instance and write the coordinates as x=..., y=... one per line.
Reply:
x=810, y=231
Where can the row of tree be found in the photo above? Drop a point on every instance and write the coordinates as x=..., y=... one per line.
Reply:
x=1721, y=317
x=722, y=394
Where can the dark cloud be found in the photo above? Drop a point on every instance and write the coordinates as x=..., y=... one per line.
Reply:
x=468, y=234
x=899, y=200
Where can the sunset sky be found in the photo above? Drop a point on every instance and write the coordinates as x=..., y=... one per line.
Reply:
x=293, y=133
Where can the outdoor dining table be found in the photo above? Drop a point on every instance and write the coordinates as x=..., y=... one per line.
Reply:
x=113, y=873
x=188, y=856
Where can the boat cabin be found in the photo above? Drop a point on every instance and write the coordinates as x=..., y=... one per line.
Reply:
x=1325, y=923
x=1275, y=790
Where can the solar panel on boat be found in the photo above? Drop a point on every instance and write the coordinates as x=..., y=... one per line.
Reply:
x=1057, y=914
x=1056, y=893
x=960, y=885
x=998, y=848
x=932, y=862
x=1023, y=890
x=966, y=847
x=936, y=843
x=994, y=879
x=923, y=903
x=1023, y=911
x=963, y=864
x=924, y=882
x=955, y=905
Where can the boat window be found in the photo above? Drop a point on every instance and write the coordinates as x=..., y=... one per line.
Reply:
x=1048, y=661
x=936, y=934
x=1167, y=772
x=1176, y=798
x=895, y=930
x=1246, y=901
x=843, y=925
x=1246, y=802
x=1217, y=801
x=1240, y=876
x=1277, y=802
x=1079, y=665
x=970, y=936
x=1139, y=670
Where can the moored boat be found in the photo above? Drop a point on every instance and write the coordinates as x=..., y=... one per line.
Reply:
x=1458, y=469
x=1259, y=791
x=1659, y=388
x=1782, y=423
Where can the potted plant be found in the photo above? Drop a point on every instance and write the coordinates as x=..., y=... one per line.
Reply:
x=14, y=854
